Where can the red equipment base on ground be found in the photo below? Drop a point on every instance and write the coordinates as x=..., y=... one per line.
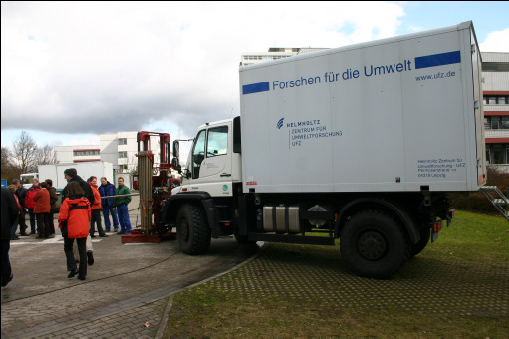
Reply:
x=138, y=236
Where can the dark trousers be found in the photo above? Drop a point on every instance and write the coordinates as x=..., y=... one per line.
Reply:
x=32, y=220
x=22, y=222
x=51, y=223
x=14, y=227
x=96, y=218
x=6, y=264
x=44, y=226
x=106, y=211
x=82, y=249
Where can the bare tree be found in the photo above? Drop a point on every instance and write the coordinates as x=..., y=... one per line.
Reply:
x=47, y=155
x=25, y=153
x=9, y=170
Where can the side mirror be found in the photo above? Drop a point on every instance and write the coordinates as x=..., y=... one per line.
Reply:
x=175, y=164
x=175, y=149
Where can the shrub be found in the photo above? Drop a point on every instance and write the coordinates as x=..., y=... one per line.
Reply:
x=477, y=201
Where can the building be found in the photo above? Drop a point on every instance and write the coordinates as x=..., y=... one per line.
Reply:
x=120, y=149
x=274, y=53
x=495, y=72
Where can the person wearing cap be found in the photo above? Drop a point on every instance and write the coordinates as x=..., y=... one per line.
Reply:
x=72, y=175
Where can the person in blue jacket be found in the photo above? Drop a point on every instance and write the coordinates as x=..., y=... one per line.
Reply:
x=107, y=189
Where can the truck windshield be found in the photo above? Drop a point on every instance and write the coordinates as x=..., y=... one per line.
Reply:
x=27, y=179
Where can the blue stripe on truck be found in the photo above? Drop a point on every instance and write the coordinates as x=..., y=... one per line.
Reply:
x=438, y=60
x=255, y=88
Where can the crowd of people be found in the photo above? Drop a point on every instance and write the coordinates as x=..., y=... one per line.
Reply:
x=78, y=216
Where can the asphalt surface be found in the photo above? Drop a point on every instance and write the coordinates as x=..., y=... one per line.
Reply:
x=125, y=294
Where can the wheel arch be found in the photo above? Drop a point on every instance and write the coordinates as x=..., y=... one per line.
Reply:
x=203, y=199
x=392, y=208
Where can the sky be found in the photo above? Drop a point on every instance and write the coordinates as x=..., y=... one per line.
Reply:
x=74, y=70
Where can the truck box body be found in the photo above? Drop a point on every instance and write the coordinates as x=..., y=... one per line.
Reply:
x=85, y=170
x=396, y=115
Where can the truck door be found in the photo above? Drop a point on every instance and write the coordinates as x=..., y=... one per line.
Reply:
x=211, y=159
x=479, y=112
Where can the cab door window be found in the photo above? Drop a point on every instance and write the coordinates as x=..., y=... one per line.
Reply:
x=217, y=141
x=198, y=154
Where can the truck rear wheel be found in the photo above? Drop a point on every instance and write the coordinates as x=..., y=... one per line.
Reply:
x=373, y=245
x=193, y=233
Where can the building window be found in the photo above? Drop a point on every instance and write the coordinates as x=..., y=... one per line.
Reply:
x=122, y=154
x=86, y=153
x=122, y=141
x=496, y=122
x=496, y=100
x=504, y=122
x=499, y=154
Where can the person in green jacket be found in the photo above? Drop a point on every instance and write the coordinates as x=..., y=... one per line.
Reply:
x=121, y=204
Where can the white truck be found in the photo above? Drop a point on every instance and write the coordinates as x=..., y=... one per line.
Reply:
x=386, y=127
x=56, y=173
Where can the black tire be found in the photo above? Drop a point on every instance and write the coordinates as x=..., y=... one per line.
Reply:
x=373, y=245
x=425, y=234
x=193, y=232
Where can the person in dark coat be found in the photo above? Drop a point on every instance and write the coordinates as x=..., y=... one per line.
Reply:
x=107, y=189
x=53, y=198
x=10, y=212
x=72, y=175
x=21, y=192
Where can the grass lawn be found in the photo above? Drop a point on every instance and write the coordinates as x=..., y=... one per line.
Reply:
x=457, y=286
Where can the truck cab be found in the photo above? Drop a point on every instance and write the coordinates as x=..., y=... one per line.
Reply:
x=27, y=178
x=214, y=162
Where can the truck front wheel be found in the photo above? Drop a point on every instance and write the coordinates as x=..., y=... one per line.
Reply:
x=193, y=233
x=373, y=245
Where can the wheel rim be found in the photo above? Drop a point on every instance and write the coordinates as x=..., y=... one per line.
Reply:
x=372, y=245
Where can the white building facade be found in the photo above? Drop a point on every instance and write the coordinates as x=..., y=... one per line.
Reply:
x=120, y=149
x=495, y=72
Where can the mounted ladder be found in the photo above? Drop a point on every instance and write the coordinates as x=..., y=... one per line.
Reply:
x=499, y=201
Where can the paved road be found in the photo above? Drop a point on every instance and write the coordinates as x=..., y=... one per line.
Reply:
x=126, y=288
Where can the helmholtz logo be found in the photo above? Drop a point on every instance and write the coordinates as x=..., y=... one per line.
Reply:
x=303, y=131
x=280, y=123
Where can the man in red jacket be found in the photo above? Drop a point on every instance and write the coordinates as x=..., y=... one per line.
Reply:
x=42, y=210
x=96, y=209
x=30, y=203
